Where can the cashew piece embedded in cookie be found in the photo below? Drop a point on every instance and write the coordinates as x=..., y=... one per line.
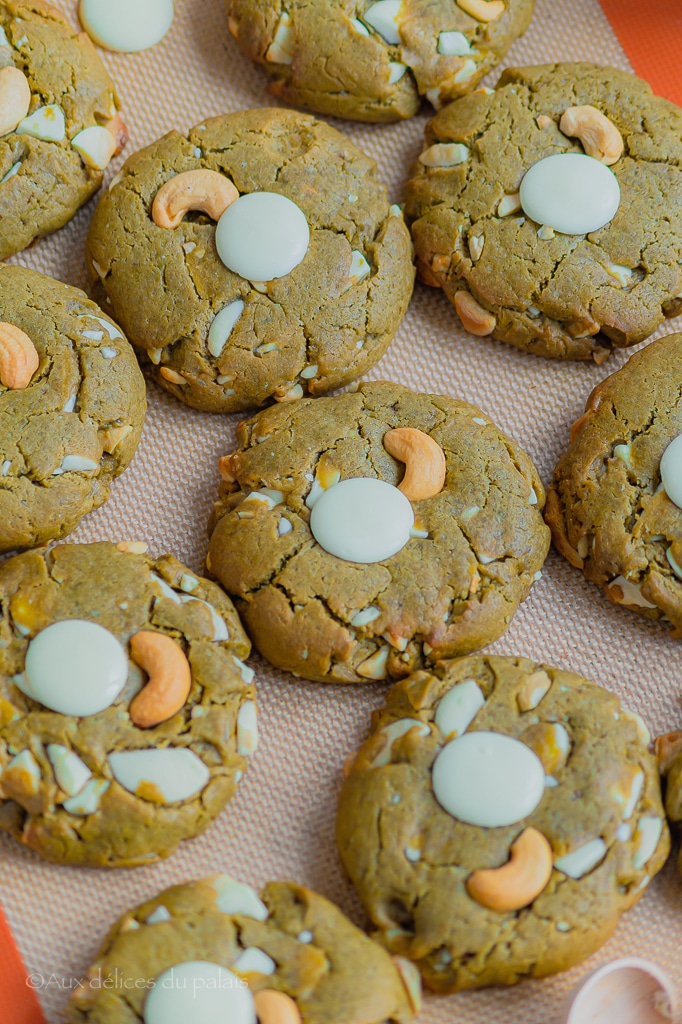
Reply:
x=169, y=682
x=599, y=136
x=667, y=748
x=19, y=358
x=117, y=128
x=483, y=10
x=202, y=189
x=474, y=317
x=15, y=98
x=273, y=1007
x=518, y=882
x=424, y=462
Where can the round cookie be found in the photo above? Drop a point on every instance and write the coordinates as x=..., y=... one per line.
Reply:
x=289, y=951
x=329, y=260
x=614, y=509
x=72, y=404
x=59, y=122
x=342, y=577
x=499, y=819
x=375, y=62
x=669, y=752
x=498, y=160
x=126, y=715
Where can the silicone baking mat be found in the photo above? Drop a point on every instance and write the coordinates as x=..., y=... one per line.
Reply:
x=281, y=824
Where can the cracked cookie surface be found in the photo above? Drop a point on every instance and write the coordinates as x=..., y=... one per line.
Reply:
x=314, y=329
x=107, y=824
x=328, y=57
x=608, y=511
x=412, y=862
x=77, y=424
x=332, y=971
x=451, y=589
x=44, y=181
x=561, y=296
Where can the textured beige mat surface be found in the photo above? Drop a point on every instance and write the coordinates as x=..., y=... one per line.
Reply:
x=281, y=823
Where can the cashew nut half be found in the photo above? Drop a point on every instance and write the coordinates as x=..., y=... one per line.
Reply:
x=169, y=682
x=474, y=317
x=424, y=462
x=518, y=882
x=15, y=98
x=19, y=358
x=599, y=136
x=202, y=189
x=273, y=1007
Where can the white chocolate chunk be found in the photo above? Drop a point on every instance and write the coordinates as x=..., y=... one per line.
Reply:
x=14, y=169
x=308, y=372
x=628, y=801
x=109, y=353
x=87, y=801
x=94, y=335
x=623, y=452
x=671, y=471
x=362, y=520
x=70, y=405
x=284, y=526
x=75, y=667
x=222, y=327
x=578, y=862
x=70, y=772
x=126, y=26
x=305, y=937
x=546, y=233
x=254, y=961
x=570, y=192
x=247, y=729
x=365, y=616
x=4, y=41
x=631, y=593
x=358, y=27
x=488, y=779
x=245, y=671
x=200, y=991
x=413, y=854
x=26, y=762
x=453, y=44
x=476, y=243
x=6, y=466
x=188, y=583
x=175, y=772
x=383, y=17
x=395, y=71
x=75, y=464
x=623, y=275
x=166, y=589
x=648, y=833
x=233, y=897
x=281, y=49
x=220, y=631
x=642, y=727
x=359, y=267
x=624, y=832
x=468, y=70
x=393, y=732
x=396, y=210
x=262, y=235
x=458, y=708
x=158, y=916
x=673, y=564
x=445, y=154
x=96, y=146
x=46, y=123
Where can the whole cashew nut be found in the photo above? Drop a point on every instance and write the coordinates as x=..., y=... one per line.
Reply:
x=273, y=1007
x=202, y=189
x=424, y=462
x=15, y=98
x=483, y=10
x=169, y=682
x=518, y=882
x=599, y=136
x=19, y=358
x=474, y=317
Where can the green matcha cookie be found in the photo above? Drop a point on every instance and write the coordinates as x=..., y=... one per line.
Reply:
x=615, y=505
x=299, y=288
x=367, y=535
x=72, y=404
x=550, y=210
x=59, y=122
x=374, y=61
x=126, y=714
x=499, y=819
x=216, y=949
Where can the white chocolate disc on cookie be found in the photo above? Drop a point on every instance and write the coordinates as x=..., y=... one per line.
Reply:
x=362, y=520
x=199, y=992
x=383, y=17
x=126, y=25
x=262, y=235
x=488, y=779
x=671, y=471
x=570, y=192
x=166, y=775
x=75, y=667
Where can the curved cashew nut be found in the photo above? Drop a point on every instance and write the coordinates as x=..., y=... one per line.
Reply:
x=15, y=98
x=203, y=190
x=19, y=358
x=474, y=317
x=118, y=129
x=518, y=882
x=424, y=462
x=169, y=674
x=273, y=1007
x=483, y=10
x=599, y=136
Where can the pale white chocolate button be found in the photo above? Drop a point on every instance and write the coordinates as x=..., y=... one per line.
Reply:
x=235, y=897
x=46, y=123
x=458, y=708
x=488, y=779
x=126, y=25
x=671, y=471
x=570, y=192
x=362, y=520
x=254, y=961
x=383, y=17
x=171, y=773
x=199, y=991
x=262, y=236
x=75, y=667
